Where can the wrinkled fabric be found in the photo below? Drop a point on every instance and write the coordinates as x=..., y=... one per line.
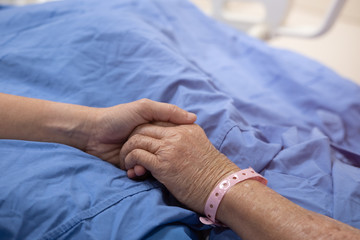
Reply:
x=290, y=118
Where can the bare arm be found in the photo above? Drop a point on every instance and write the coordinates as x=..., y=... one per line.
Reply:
x=97, y=131
x=254, y=211
x=39, y=120
x=184, y=160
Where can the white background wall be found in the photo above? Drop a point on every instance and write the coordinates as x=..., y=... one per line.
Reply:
x=339, y=49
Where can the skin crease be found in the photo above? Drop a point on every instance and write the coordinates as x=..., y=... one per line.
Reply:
x=162, y=142
x=113, y=125
x=184, y=160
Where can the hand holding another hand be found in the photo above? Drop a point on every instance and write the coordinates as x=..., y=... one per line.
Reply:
x=97, y=131
x=110, y=127
x=179, y=156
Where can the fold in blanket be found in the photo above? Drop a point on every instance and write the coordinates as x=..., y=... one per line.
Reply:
x=290, y=118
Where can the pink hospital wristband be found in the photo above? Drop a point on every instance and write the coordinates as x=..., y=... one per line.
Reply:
x=218, y=193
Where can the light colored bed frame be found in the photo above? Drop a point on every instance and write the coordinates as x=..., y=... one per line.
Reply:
x=271, y=24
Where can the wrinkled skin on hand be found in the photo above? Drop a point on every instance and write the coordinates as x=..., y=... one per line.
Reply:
x=179, y=156
x=110, y=127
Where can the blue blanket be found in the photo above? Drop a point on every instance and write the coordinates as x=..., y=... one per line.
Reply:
x=290, y=118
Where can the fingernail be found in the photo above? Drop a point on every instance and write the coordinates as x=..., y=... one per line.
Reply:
x=191, y=116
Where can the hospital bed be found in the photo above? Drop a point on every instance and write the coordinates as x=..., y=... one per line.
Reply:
x=292, y=119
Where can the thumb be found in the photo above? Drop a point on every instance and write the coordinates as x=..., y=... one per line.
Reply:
x=164, y=112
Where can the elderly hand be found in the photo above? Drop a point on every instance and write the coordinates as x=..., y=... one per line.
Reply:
x=179, y=156
x=110, y=127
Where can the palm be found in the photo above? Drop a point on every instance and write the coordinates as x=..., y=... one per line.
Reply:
x=107, y=152
x=110, y=133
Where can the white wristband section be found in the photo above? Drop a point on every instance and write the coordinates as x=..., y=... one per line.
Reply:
x=218, y=193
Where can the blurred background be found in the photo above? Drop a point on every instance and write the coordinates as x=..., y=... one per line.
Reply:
x=337, y=48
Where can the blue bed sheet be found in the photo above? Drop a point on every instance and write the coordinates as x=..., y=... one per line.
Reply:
x=290, y=118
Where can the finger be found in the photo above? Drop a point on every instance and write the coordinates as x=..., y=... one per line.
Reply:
x=142, y=158
x=164, y=124
x=139, y=170
x=151, y=130
x=157, y=111
x=137, y=141
x=131, y=173
x=140, y=141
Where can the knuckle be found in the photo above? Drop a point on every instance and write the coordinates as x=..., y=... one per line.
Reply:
x=135, y=154
x=190, y=130
x=131, y=158
x=163, y=145
x=137, y=130
x=184, y=131
x=145, y=108
x=172, y=109
x=198, y=129
x=143, y=101
x=176, y=135
x=156, y=147
x=128, y=146
x=134, y=141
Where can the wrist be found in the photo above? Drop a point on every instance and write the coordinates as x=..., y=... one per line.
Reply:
x=216, y=175
x=218, y=193
x=70, y=124
x=238, y=202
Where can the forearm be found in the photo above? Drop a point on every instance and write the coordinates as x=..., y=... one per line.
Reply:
x=39, y=120
x=251, y=209
x=254, y=211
